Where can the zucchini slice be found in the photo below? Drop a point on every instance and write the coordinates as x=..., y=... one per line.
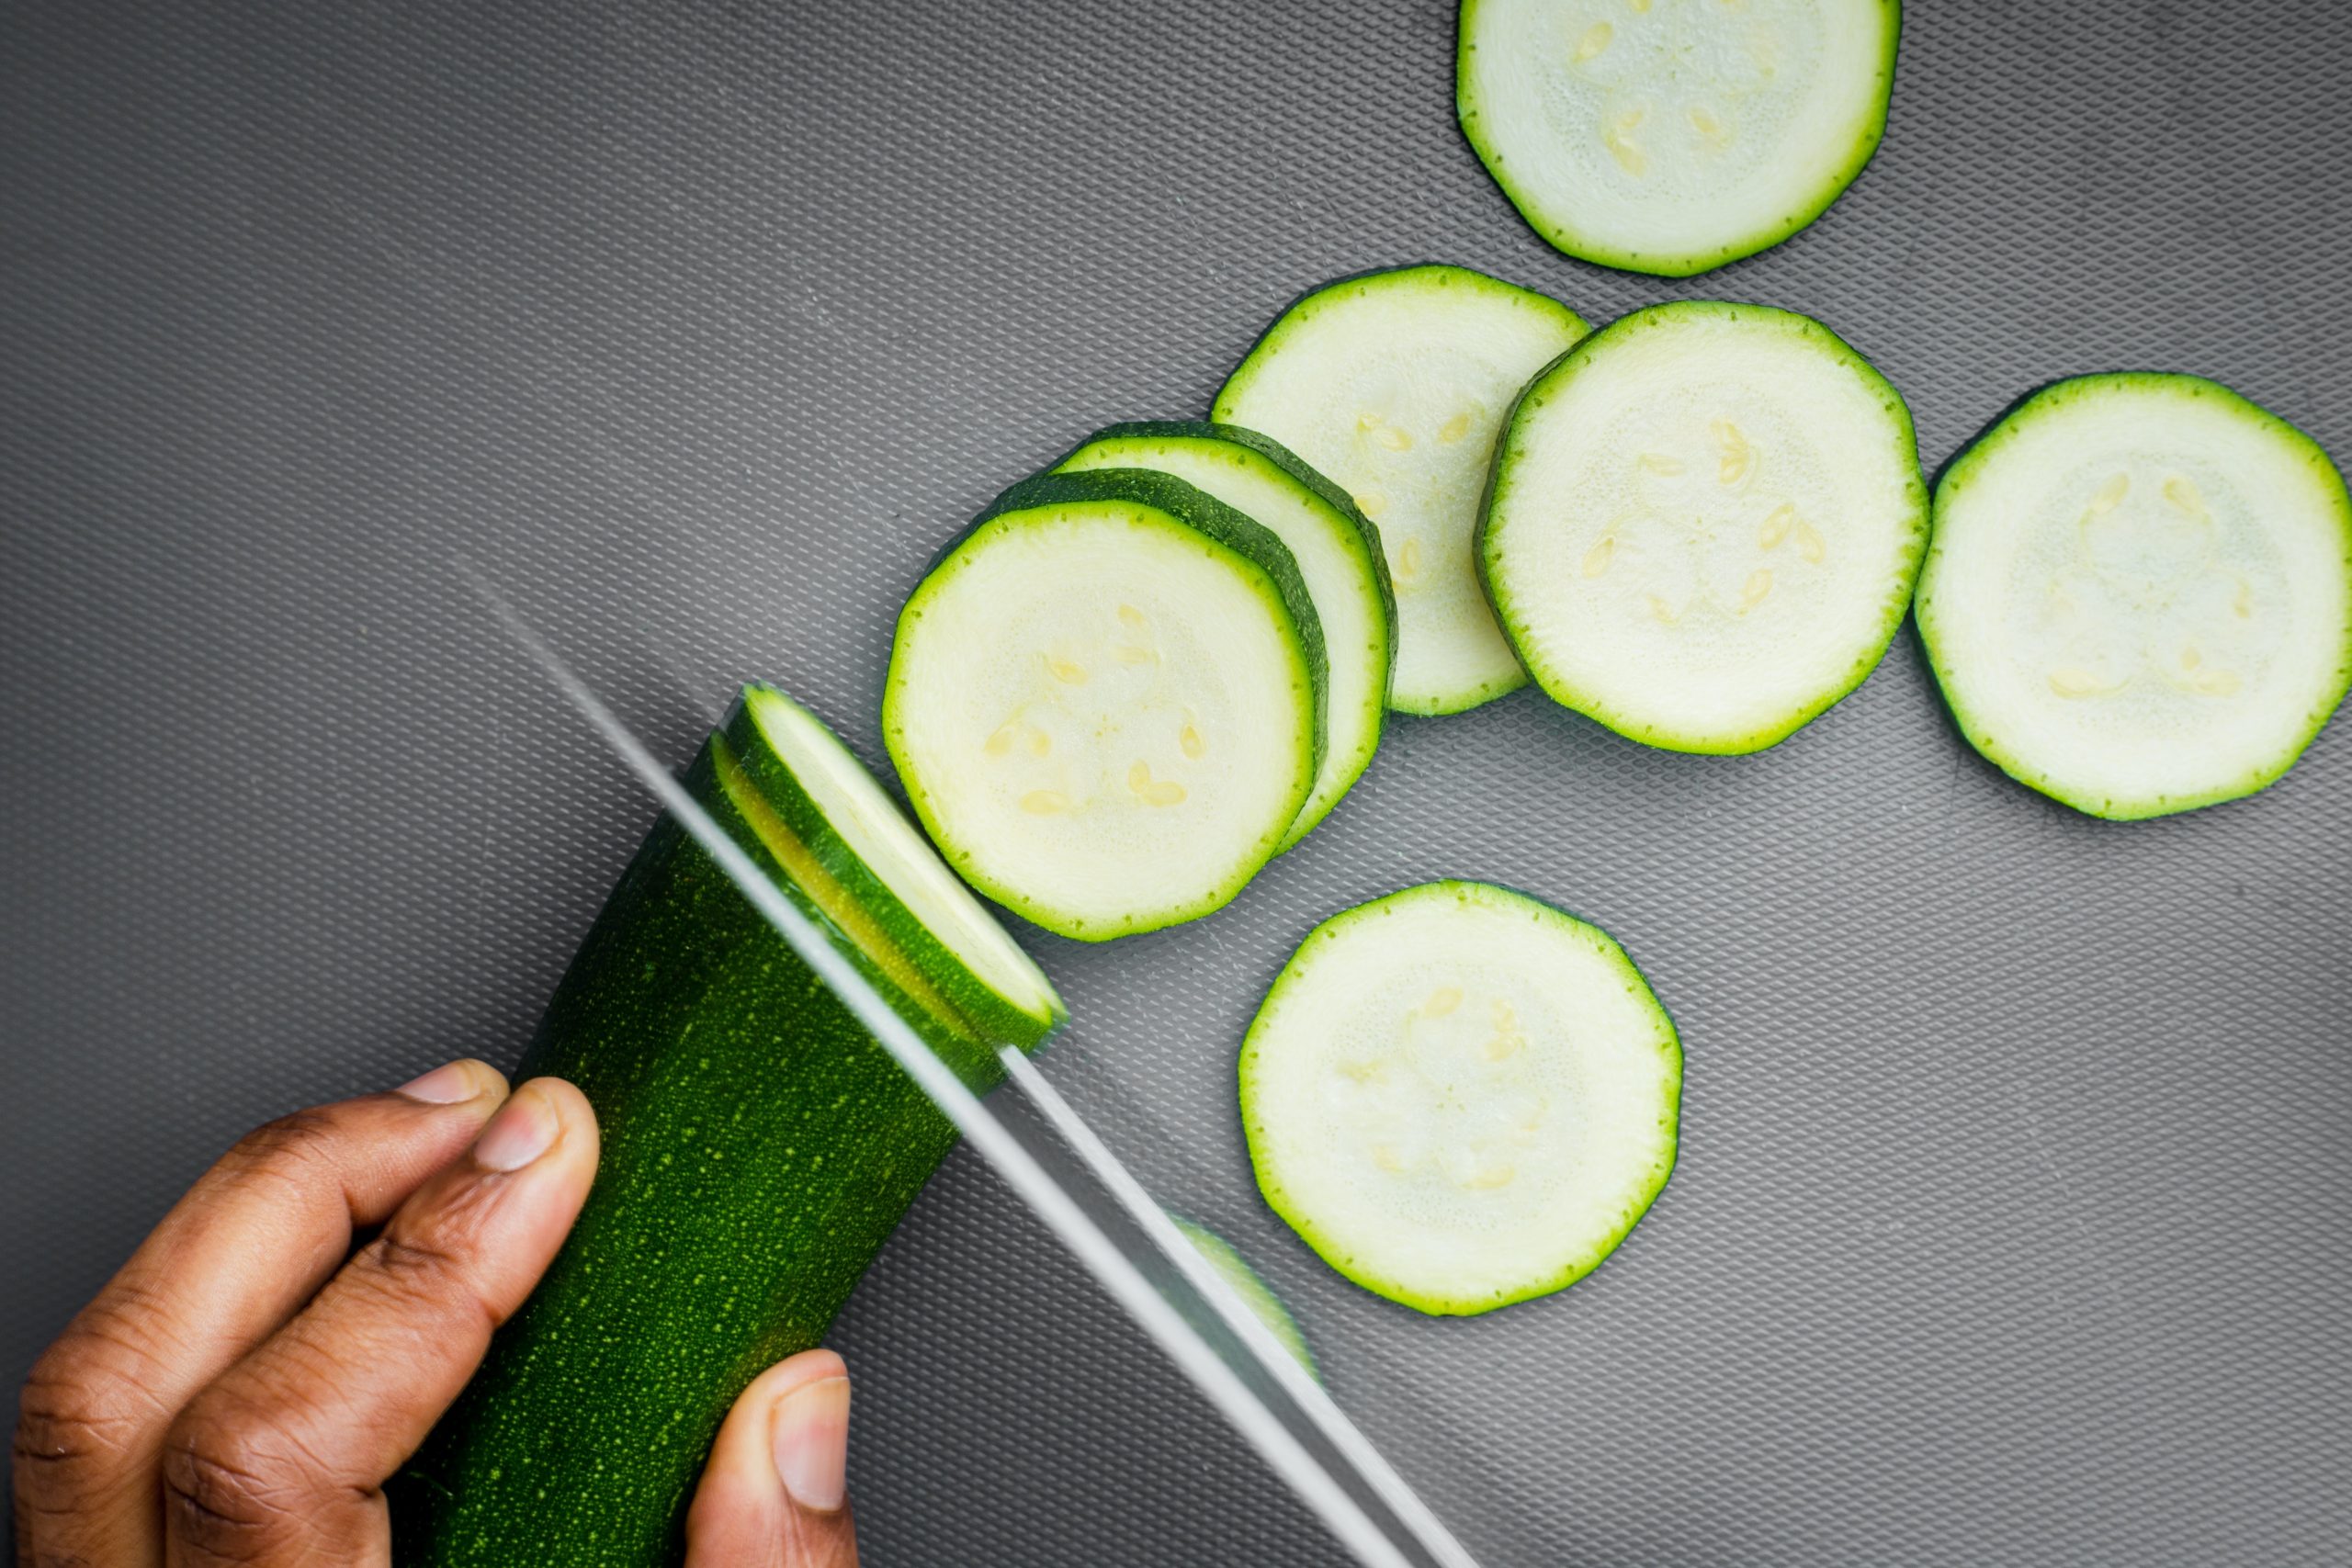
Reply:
x=2139, y=599
x=759, y=1146
x=1461, y=1097
x=1393, y=384
x=1338, y=553
x=1703, y=525
x=1106, y=701
x=870, y=872
x=1255, y=1294
x=1673, y=137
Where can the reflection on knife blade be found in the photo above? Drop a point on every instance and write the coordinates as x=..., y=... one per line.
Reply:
x=1158, y=1278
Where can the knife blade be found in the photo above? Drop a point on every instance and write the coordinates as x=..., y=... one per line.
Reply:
x=1180, y=1302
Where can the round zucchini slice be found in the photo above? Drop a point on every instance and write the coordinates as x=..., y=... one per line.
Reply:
x=1703, y=525
x=1461, y=1097
x=1106, y=701
x=2139, y=599
x=1672, y=136
x=1338, y=553
x=1393, y=384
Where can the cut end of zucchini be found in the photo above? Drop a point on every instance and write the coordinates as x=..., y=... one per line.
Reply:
x=1461, y=1097
x=2139, y=599
x=1674, y=137
x=1703, y=525
x=1106, y=701
x=1338, y=553
x=850, y=837
x=1394, y=384
x=757, y=1148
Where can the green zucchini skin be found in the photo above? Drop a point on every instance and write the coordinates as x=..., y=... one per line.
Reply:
x=758, y=1147
x=1563, y=235
x=1356, y=689
x=1291, y=463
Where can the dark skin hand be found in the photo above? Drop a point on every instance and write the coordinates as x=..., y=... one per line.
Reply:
x=240, y=1392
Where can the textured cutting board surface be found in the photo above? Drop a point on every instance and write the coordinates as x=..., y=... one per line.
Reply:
x=2011, y=1223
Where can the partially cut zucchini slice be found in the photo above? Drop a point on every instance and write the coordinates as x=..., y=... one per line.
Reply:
x=2139, y=599
x=1106, y=701
x=1338, y=553
x=1393, y=384
x=1703, y=525
x=1672, y=136
x=1461, y=1097
x=870, y=873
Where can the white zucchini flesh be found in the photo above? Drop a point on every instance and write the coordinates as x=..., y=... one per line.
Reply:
x=1343, y=569
x=2139, y=599
x=1394, y=384
x=1672, y=136
x=1105, y=719
x=1461, y=1097
x=873, y=828
x=1704, y=524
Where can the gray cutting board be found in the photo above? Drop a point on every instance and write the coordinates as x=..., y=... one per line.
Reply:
x=2011, y=1223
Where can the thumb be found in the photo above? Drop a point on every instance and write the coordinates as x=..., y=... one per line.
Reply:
x=772, y=1495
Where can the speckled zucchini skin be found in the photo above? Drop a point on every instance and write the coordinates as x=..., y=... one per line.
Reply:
x=758, y=1149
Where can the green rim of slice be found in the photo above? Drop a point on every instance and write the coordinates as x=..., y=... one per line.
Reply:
x=1703, y=524
x=1339, y=554
x=1586, y=113
x=2139, y=596
x=846, y=844
x=1106, y=701
x=1461, y=1097
x=1255, y=1294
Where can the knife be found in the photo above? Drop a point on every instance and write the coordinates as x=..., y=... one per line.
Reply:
x=1117, y=1232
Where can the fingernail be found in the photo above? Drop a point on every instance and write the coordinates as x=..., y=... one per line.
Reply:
x=519, y=1133
x=812, y=1444
x=442, y=1086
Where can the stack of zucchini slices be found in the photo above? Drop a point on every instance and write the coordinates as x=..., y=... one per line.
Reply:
x=1141, y=675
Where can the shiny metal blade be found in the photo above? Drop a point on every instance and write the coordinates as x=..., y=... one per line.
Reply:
x=1154, y=1274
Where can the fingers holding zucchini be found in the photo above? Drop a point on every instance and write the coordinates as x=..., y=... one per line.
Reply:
x=282, y=1458
x=776, y=1494
x=233, y=1260
x=246, y=1384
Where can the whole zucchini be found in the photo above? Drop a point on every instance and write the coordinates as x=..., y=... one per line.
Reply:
x=759, y=1146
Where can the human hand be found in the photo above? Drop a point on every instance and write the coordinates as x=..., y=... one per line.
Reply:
x=240, y=1391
